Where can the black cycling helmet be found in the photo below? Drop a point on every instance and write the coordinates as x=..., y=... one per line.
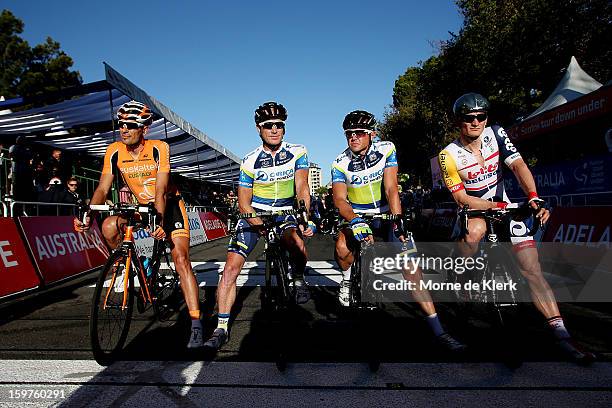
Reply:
x=270, y=111
x=359, y=119
x=470, y=102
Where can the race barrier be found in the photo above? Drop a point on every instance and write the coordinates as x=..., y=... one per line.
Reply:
x=58, y=251
x=213, y=225
x=203, y=227
x=17, y=274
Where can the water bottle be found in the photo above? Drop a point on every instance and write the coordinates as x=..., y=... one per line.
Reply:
x=147, y=265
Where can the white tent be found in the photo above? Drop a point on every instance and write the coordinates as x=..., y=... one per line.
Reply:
x=574, y=84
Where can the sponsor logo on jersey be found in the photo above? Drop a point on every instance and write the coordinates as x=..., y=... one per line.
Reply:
x=138, y=168
x=356, y=180
x=273, y=176
x=491, y=168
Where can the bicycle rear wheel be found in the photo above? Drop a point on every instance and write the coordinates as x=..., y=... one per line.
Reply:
x=111, y=308
x=166, y=290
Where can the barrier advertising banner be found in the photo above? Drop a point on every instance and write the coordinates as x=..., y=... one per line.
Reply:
x=213, y=225
x=16, y=271
x=58, y=250
x=197, y=235
x=571, y=177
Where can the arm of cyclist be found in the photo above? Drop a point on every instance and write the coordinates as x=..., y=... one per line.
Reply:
x=525, y=178
x=245, y=198
x=161, y=188
x=99, y=197
x=303, y=193
x=395, y=206
x=361, y=230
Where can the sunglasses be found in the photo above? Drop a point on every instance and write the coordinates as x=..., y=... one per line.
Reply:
x=129, y=125
x=72, y=185
x=481, y=117
x=355, y=133
x=269, y=125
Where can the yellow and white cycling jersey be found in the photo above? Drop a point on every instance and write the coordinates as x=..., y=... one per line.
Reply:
x=272, y=178
x=364, y=177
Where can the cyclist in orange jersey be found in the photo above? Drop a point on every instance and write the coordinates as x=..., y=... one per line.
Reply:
x=144, y=166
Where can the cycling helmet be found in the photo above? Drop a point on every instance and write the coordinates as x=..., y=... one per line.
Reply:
x=470, y=102
x=135, y=112
x=359, y=120
x=270, y=111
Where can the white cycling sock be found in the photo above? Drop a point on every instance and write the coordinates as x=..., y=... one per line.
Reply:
x=434, y=324
x=346, y=275
x=222, y=321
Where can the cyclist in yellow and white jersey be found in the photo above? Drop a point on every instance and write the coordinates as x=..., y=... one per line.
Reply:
x=472, y=170
x=364, y=181
x=271, y=177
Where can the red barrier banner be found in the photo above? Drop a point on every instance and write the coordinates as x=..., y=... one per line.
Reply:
x=213, y=225
x=16, y=271
x=580, y=226
x=59, y=251
x=582, y=235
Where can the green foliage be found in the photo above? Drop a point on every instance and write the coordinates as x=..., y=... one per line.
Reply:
x=321, y=191
x=511, y=51
x=26, y=71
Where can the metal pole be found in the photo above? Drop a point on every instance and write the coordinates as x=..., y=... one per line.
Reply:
x=165, y=129
x=110, y=102
x=217, y=169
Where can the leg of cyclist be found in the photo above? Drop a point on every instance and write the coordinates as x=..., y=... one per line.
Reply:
x=344, y=257
x=238, y=250
x=544, y=300
x=176, y=226
x=189, y=286
x=422, y=296
x=294, y=244
x=112, y=230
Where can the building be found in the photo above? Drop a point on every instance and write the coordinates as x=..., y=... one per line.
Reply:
x=314, y=178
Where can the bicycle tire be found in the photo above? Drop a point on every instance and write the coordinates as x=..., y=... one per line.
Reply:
x=109, y=326
x=282, y=280
x=267, y=296
x=166, y=290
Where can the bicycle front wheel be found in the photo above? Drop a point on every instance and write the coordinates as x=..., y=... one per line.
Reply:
x=112, y=308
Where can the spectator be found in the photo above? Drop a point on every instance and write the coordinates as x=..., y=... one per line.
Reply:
x=40, y=178
x=55, y=166
x=21, y=170
x=72, y=194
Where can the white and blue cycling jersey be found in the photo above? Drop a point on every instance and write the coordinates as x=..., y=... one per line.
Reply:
x=364, y=176
x=272, y=178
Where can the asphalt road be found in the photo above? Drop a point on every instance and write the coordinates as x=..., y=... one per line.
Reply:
x=44, y=345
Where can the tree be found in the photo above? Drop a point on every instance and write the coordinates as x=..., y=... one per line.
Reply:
x=321, y=191
x=511, y=51
x=26, y=71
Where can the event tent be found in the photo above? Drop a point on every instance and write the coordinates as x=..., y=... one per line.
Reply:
x=68, y=125
x=574, y=84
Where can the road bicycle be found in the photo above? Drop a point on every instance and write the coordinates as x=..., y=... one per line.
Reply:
x=113, y=300
x=502, y=286
x=277, y=296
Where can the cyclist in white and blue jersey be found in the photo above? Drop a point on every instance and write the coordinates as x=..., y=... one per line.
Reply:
x=364, y=181
x=271, y=177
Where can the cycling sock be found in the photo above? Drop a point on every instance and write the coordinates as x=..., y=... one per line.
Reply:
x=194, y=314
x=558, y=327
x=434, y=324
x=196, y=323
x=222, y=321
x=346, y=275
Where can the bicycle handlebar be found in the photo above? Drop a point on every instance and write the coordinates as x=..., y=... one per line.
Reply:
x=119, y=208
x=498, y=215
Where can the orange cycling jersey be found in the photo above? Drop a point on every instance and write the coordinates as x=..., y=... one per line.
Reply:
x=140, y=172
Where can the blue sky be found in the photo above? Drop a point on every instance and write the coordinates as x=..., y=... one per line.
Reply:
x=214, y=62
